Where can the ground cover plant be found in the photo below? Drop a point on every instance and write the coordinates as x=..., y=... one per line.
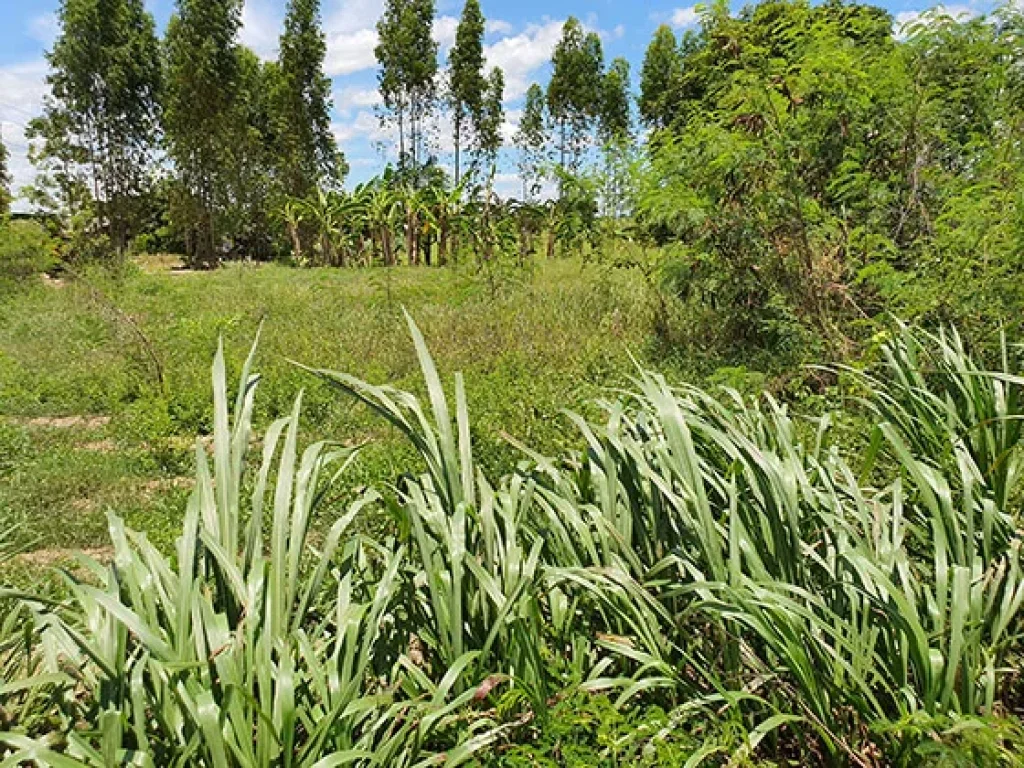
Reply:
x=656, y=477
x=710, y=555
x=87, y=425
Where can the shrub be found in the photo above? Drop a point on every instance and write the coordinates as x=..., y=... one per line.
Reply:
x=25, y=251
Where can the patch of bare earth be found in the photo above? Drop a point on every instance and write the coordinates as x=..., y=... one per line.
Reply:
x=83, y=505
x=164, y=484
x=160, y=262
x=63, y=422
x=100, y=446
x=53, y=282
x=54, y=556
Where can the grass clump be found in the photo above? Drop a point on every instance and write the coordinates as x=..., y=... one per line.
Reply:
x=713, y=579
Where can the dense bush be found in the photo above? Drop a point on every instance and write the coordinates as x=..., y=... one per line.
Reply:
x=822, y=170
x=25, y=252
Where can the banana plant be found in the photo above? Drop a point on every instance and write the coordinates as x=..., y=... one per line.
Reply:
x=446, y=206
x=292, y=213
x=383, y=210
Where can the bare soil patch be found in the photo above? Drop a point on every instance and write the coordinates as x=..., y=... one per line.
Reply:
x=62, y=422
x=50, y=557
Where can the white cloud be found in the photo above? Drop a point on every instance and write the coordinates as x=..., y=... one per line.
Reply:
x=350, y=27
x=510, y=185
x=684, y=17
x=444, y=34
x=351, y=97
x=349, y=52
x=261, y=28
x=498, y=27
x=23, y=87
x=365, y=126
x=520, y=56
x=44, y=28
x=346, y=16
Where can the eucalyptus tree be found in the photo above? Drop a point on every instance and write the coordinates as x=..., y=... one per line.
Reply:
x=574, y=91
x=102, y=114
x=201, y=117
x=531, y=141
x=466, y=83
x=492, y=116
x=5, y=179
x=249, y=160
x=615, y=120
x=615, y=132
x=407, y=55
x=308, y=155
x=658, y=79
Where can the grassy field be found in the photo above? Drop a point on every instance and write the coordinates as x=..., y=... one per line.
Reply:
x=104, y=382
x=769, y=581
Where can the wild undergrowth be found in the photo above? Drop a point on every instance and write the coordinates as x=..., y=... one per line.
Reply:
x=713, y=580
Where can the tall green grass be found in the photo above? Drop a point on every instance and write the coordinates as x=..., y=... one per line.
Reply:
x=706, y=553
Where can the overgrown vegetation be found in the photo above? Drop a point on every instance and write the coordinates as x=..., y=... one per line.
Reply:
x=726, y=553
x=819, y=170
x=770, y=591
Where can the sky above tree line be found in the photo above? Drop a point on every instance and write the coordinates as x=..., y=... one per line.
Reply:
x=520, y=36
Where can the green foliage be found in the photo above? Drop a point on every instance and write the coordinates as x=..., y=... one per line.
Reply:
x=615, y=119
x=407, y=54
x=99, y=134
x=26, y=251
x=737, y=586
x=661, y=71
x=492, y=116
x=307, y=155
x=574, y=91
x=823, y=172
x=202, y=121
x=5, y=181
x=531, y=140
x=466, y=82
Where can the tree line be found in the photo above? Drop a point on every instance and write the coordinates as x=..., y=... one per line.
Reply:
x=801, y=168
x=192, y=141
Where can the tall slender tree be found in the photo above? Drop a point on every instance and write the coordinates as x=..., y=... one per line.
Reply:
x=658, y=79
x=574, y=91
x=466, y=82
x=249, y=160
x=407, y=54
x=202, y=122
x=5, y=179
x=531, y=140
x=394, y=109
x=492, y=116
x=615, y=118
x=615, y=129
x=308, y=153
x=102, y=115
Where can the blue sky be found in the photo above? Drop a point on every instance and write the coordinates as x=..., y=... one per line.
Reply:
x=520, y=37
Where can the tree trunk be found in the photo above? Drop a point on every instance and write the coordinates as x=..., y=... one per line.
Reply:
x=389, y=251
x=458, y=131
x=410, y=240
x=293, y=233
